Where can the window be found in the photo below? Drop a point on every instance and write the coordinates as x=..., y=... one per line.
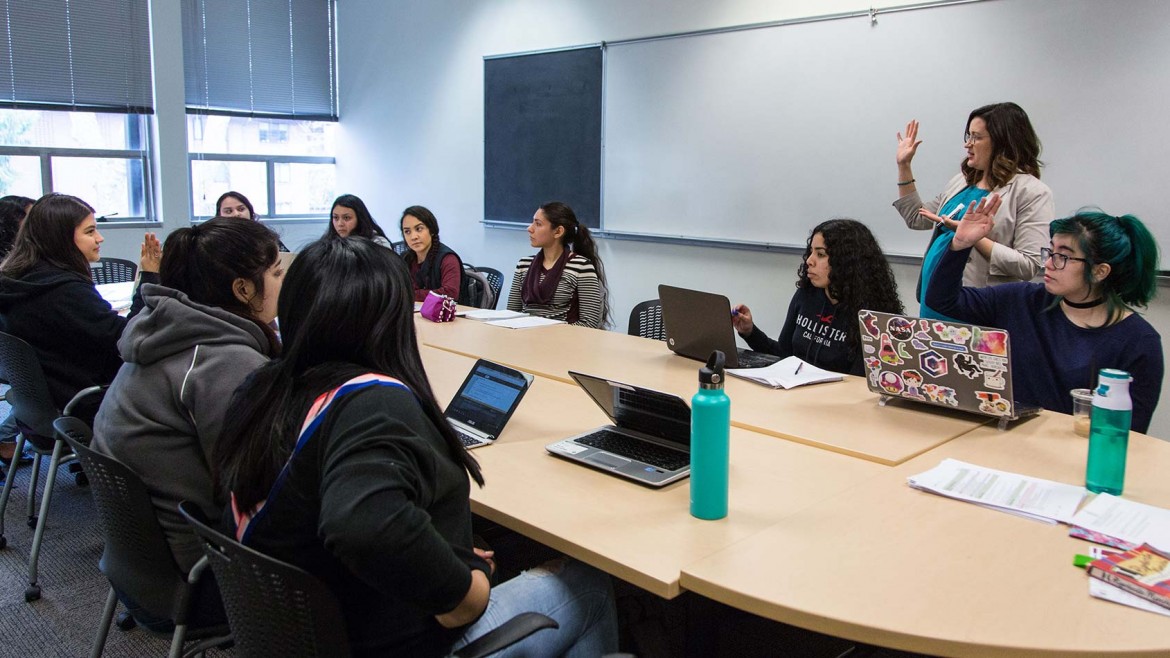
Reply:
x=284, y=167
x=265, y=129
x=75, y=82
x=98, y=157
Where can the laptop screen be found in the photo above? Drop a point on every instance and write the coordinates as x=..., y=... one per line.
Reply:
x=642, y=410
x=488, y=397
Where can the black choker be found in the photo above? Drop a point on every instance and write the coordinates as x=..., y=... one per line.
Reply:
x=1090, y=304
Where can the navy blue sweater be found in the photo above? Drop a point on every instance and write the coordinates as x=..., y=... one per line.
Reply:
x=1050, y=354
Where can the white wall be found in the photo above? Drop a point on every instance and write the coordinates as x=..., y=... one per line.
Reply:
x=411, y=91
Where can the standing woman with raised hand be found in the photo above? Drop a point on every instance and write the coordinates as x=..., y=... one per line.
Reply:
x=843, y=272
x=565, y=280
x=433, y=265
x=1003, y=154
x=350, y=216
x=1097, y=269
x=47, y=295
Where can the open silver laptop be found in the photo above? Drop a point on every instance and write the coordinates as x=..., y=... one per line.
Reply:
x=649, y=442
x=946, y=364
x=698, y=323
x=486, y=400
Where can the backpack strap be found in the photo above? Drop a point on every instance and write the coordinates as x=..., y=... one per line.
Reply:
x=312, y=422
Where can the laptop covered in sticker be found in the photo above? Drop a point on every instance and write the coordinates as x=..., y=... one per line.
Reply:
x=947, y=364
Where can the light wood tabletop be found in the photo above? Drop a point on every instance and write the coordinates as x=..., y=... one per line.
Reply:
x=642, y=535
x=890, y=565
x=812, y=415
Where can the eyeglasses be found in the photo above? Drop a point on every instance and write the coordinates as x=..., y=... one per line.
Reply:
x=1059, y=261
x=973, y=138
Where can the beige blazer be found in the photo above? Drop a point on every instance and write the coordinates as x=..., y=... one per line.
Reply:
x=1021, y=229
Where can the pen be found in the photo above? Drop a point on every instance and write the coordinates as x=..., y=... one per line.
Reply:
x=798, y=367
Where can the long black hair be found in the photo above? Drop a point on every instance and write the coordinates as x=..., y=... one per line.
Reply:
x=204, y=261
x=859, y=274
x=577, y=239
x=47, y=236
x=366, y=226
x=346, y=309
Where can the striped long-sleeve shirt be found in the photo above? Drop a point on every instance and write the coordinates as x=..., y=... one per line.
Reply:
x=580, y=277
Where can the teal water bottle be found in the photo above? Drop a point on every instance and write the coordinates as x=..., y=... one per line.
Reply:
x=1109, y=432
x=710, y=442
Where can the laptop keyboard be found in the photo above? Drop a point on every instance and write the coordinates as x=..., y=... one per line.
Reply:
x=619, y=444
x=467, y=439
x=750, y=359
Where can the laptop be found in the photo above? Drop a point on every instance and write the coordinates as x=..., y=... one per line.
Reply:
x=486, y=400
x=947, y=364
x=698, y=323
x=649, y=442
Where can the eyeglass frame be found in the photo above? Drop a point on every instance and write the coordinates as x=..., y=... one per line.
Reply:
x=1059, y=260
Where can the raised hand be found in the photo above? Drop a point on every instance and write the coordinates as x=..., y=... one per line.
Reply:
x=908, y=145
x=151, y=256
x=977, y=223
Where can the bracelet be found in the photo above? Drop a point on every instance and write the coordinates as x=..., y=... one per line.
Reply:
x=907, y=182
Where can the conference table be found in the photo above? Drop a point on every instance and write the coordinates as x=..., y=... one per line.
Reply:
x=823, y=532
x=809, y=414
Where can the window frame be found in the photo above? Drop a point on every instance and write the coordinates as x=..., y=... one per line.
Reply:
x=270, y=162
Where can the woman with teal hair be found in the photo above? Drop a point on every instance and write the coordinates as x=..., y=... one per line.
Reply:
x=1097, y=269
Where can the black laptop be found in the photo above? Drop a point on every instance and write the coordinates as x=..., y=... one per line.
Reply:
x=698, y=323
x=649, y=442
x=486, y=400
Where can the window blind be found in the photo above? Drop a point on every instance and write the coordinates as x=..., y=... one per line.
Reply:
x=260, y=58
x=91, y=55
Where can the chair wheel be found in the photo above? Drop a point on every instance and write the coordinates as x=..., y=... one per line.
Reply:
x=32, y=522
x=125, y=621
x=32, y=593
x=81, y=479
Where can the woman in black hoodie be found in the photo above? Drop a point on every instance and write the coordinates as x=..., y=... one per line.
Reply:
x=47, y=295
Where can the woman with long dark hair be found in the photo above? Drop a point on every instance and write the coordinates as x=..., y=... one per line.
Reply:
x=843, y=272
x=234, y=204
x=433, y=265
x=1003, y=157
x=203, y=330
x=350, y=216
x=47, y=296
x=1097, y=269
x=565, y=280
x=338, y=459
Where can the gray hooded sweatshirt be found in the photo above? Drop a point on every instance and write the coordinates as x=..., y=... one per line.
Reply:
x=164, y=411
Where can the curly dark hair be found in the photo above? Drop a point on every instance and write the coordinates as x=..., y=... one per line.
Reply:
x=859, y=275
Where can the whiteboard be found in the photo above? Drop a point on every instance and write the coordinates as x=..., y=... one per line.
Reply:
x=758, y=135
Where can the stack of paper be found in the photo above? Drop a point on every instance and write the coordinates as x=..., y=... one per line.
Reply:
x=786, y=373
x=1133, y=523
x=1034, y=498
x=524, y=322
x=490, y=314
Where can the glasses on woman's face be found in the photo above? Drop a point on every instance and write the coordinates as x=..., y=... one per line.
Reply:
x=1059, y=260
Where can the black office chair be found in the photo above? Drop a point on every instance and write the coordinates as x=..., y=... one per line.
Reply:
x=479, y=292
x=496, y=280
x=113, y=270
x=137, y=559
x=646, y=320
x=35, y=412
x=277, y=609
